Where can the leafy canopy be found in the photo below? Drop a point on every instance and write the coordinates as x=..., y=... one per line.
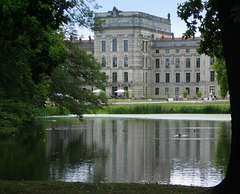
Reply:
x=194, y=12
x=32, y=48
x=71, y=82
x=203, y=16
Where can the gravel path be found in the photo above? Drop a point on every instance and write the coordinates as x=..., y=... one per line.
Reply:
x=209, y=117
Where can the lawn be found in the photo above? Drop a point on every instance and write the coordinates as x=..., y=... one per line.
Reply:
x=63, y=187
x=163, y=107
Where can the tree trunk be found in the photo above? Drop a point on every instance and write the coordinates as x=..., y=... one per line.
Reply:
x=231, y=45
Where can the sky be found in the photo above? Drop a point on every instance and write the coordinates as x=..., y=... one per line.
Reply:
x=158, y=8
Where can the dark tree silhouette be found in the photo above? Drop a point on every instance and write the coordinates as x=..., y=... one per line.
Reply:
x=220, y=28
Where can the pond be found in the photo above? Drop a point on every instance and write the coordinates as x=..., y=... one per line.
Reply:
x=119, y=150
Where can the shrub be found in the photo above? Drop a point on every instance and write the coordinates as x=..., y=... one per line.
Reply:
x=185, y=93
x=199, y=94
x=149, y=95
x=103, y=97
x=127, y=94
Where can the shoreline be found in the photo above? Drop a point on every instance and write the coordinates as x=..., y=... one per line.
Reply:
x=201, y=117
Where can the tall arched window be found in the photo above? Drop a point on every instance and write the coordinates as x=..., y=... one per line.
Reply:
x=114, y=77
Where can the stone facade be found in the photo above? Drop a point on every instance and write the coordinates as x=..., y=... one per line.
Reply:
x=139, y=53
x=177, y=67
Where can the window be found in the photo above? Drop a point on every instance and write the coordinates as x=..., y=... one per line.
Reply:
x=212, y=76
x=187, y=77
x=143, y=45
x=125, y=61
x=125, y=76
x=157, y=62
x=187, y=62
x=125, y=45
x=156, y=91
x=166, y=91
x=157, y=77
x=114, y=77
x=187, y=50
x=146, y=61
x=212, y=90
x=103, y=62
x=177, y=91
x=167, y=63
x=167, y=77
x=146, y=46
x=177, y=65
x=146, y=78
x=167, y=51
x=212, y=60
x=114, y=61
x=143, y=61
x=188, y=90
x=125, y=88
x=197, y=62
x=177, y=50
x=114, y=45
x=103, y=45
x=157, y=51
x=197, y=77
x=177, y=77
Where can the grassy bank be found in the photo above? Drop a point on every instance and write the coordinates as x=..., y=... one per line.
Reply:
x=150, y=108
x=63, y=187
x=167, y=108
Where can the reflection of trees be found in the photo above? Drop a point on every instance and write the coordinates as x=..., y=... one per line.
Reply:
x=64, y=156
x=72, y=149
x=222, y=153
x=23, y=158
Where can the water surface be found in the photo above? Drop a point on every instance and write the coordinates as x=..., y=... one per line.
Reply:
x=119, y=150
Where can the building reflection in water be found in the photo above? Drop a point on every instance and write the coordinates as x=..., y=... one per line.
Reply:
x=132, y=150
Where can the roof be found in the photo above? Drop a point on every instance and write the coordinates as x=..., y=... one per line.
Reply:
x=179, y=38
x=83, y=41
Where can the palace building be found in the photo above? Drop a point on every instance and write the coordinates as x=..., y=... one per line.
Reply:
x=139, y=53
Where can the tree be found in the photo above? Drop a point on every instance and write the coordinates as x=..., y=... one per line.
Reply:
x=219, y=66
x=26, y=55
x=31, y=48
x=220, y=29
x=71, y=82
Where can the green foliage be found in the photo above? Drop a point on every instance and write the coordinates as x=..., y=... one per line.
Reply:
x=127, y=94
x=103, y=97
x=161, y=109
x=52, y=111
x=220, y=68
x=199, y=94
x=192, y=12
x=185, y=93
x=70, y=81
x=168, y=94
x=31, y=49
x=13, y=113
x=149, y=95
